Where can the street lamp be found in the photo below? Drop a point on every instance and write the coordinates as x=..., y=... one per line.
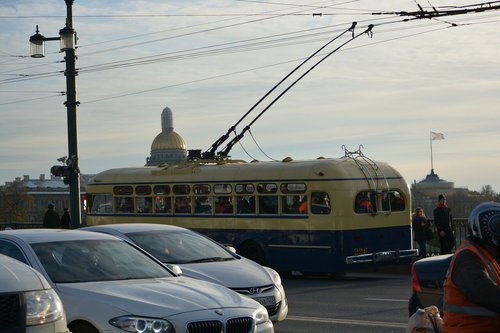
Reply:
x=67, y=38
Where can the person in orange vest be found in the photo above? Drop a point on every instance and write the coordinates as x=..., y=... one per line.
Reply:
x=472, y=286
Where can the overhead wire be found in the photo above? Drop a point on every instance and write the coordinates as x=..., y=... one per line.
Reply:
x=195, y=32
x=229, y=146
x=192, y=55
x=236, y=72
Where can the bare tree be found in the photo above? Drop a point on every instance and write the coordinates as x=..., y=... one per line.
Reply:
x=487, y=192
x=14, y=203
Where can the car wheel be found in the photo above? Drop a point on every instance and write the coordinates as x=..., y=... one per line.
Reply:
x=82, y=327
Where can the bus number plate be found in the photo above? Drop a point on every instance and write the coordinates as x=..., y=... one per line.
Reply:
x=266, y=301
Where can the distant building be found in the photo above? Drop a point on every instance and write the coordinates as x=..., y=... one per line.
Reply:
x=168, y=146
x=426, y=192
x=42, y=191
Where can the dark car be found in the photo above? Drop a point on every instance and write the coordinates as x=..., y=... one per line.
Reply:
x=427, y=279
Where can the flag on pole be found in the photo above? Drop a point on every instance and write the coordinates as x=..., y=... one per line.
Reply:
x=437, y=136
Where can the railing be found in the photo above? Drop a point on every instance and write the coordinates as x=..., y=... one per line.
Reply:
x=459, y=229
x=20, y=225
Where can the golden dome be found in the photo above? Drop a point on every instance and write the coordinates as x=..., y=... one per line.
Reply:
x=168, y=140
x=168, y=146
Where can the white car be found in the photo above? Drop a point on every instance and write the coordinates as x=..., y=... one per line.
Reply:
x=202, y=258
x=109, y=285
x=27, y=301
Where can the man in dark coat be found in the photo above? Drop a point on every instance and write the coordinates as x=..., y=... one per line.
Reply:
x=444, y=225
x=65, y=219
x=51, y=218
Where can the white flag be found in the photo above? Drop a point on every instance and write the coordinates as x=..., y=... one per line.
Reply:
x=437, y=136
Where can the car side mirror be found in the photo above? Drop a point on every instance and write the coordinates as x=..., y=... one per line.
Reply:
x=231, y=249
x=174, y=268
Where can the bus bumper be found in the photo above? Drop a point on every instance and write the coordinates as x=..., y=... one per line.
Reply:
x=385, y=256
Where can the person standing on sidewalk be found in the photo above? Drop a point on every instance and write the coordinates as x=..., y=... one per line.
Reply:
x=420, y=226
x=51, y=218
x=65, y=219
x=444, y=225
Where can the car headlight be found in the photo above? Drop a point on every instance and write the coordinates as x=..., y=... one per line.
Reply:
x=274, y=276
x=261, y=315
x=142, y=325
x=42, y=306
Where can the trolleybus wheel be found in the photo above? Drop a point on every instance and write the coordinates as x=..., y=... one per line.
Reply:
x=253, y=251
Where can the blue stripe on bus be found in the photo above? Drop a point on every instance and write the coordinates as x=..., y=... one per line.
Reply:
x=315, y=251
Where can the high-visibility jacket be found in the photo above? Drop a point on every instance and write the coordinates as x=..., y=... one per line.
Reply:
x=461, y=315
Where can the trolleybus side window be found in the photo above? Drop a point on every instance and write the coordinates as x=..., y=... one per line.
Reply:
x=144, y=200
x=124, y=204
x=245, y=202
x=202, y=203
x=393, y=200
x=124, y=201
x=182, y=203
x=101, y=203
x=320, y=203
x=365, y=202
x=223, y=203
x=291, y=204
x=163, y=202
x=268, y=204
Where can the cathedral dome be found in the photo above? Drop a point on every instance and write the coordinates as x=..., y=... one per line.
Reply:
x=168, y=146
x=168, y=140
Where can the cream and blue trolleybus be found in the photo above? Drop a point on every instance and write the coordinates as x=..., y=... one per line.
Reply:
x=324, y=215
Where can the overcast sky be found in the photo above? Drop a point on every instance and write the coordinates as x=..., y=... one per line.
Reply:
x=211, y=61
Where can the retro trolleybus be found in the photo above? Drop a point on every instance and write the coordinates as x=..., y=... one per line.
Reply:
x=322, y=215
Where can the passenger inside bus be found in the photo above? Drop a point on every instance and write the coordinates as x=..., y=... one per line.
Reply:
x=223, y=205
x=303, y=205
x=182, y=205
x=126, y=205
x=202, y=205
x=320, y=203
x=245, y=205
x=268, y=204
x=363, y=203
x=144, y=205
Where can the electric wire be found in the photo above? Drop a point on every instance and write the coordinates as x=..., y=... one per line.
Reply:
x=227, y=149
x=210, y=153
x=44, y=75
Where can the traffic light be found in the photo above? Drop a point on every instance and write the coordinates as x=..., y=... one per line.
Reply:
x=63, y=171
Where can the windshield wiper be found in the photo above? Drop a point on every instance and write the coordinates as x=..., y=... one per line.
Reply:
x=210, y=259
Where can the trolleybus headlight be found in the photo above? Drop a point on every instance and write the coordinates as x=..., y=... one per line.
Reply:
x=274, y=276
x=142, y=324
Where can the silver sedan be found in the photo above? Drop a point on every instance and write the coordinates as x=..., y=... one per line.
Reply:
x=109, y=285
x=202, y=258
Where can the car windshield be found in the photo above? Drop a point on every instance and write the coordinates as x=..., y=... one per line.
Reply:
x=180, y=247
x=96, y=260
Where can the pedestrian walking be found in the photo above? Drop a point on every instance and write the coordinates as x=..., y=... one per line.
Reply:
x=51, y=218
x=65, y=219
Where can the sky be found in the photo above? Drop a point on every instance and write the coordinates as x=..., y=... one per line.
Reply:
x=211, y=61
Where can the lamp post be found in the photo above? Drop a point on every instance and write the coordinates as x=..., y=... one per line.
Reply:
x=67, y=37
